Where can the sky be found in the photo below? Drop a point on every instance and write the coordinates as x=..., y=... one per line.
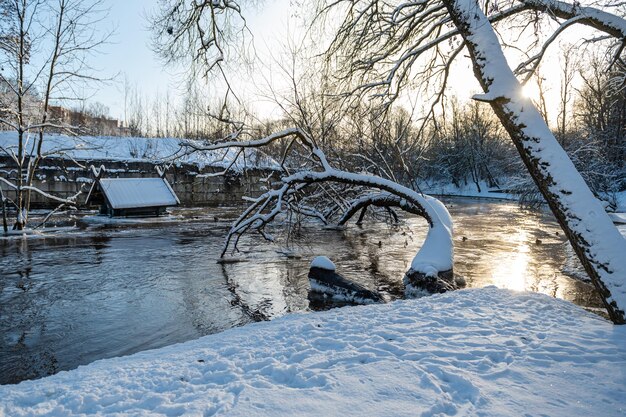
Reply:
x=130, y=57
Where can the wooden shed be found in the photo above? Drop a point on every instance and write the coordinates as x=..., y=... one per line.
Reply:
x=132, y=196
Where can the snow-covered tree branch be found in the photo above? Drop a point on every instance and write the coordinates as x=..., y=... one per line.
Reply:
x=298, y=188
x=380, y=49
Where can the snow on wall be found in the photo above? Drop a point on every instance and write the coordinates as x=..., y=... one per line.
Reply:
x=136, y=149
x=480, y=352
x=138, y=192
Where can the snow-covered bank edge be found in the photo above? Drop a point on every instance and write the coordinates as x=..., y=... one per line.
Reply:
x=40, y=233
x=618, y=218
x=621, y=202
x=482, y=351
x=470, y=190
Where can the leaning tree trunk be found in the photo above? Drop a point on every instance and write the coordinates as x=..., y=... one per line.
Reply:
x=432, y=267
x=597, y=242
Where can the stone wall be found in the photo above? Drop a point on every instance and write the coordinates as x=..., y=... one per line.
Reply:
x=193, y=185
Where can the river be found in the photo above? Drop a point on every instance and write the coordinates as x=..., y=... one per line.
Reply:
x=99, y=291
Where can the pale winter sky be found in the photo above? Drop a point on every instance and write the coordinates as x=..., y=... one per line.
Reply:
x=130, y=53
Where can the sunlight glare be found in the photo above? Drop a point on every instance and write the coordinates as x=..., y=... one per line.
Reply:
x=531, y=90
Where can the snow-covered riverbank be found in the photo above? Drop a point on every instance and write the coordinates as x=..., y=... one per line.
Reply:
x=467, y=190
x=470, y=190
x=482, y=352
x=621, y=202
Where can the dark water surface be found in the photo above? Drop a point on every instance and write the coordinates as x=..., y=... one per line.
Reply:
x=101, y=291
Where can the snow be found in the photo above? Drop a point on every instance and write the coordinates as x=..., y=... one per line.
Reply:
x=469, y=190
x=138, y=192
x=620, y=200
x=612, y=23
x=42, y=233
x=323, y=262
x=619, y=218
x=138, y=149
x=20, y=233
x=437, y=253
x=484, y=352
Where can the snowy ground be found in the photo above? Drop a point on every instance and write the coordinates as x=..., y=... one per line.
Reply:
x=484, y=352
x=468, y=190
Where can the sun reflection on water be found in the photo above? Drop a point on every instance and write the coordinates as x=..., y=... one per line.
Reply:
x=510, y=267
x=518, y=250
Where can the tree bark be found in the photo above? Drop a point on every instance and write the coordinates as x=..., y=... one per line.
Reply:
x=597, y=242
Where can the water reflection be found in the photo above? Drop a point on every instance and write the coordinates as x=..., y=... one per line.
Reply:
x=511, y=263
x=107, y=291
x=518, y=249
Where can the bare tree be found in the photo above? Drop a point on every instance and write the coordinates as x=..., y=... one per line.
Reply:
x=380, y=48
x=565, y=97
x=541, y=102
x=467, y=144
x=63, y=33
x=204, y=35
x=601, y=107
x=136, y=111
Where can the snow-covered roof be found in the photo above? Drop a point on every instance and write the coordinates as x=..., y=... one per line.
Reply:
x=124, y=193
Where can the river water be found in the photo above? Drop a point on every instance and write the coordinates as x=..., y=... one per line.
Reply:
x=100, y=291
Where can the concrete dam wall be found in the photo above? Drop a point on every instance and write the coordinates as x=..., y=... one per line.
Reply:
x=193, y=185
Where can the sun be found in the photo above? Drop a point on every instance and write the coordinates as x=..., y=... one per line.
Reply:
x=531, y=90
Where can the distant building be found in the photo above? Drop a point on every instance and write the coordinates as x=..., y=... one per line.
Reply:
x=124, y=131
x=132, y=196
x=99, y=126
